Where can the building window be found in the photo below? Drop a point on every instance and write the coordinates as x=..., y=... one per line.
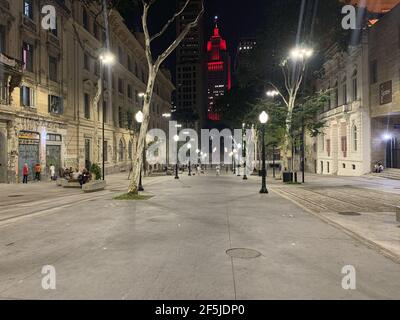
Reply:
x=344, y=88
x=27, y=97
x=121, y=150
x=87, y=106
x=28, y=9
x=355, y=89
x=85, y=19
x=2, y=39
x=54, y=31
x=336, y=97
x=120, y=86
x=53, y=69
x=96, y=30
x=86, y=62
x=328, y=147
x=53, y=137
x=55, y=104
x=355, y=138
x=27, y=56
x=129, y=91
x=344, y=146
x=130, y=63
x=105, y=150
x=104, y=112
x=120, y=55
x=374, y=71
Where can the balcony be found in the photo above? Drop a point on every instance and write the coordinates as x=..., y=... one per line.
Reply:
x=11, y=78
x=345, y=108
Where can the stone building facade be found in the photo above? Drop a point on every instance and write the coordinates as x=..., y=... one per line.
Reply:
x=49, y=80
x=384, y=89
x=344, y=146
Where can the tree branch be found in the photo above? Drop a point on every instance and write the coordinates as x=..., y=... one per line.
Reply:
x=279, y=92
x=146, y=7
x=177, y=14
x=179, y=39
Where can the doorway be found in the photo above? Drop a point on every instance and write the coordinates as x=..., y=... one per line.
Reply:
x=393, y=153
x=88, y=163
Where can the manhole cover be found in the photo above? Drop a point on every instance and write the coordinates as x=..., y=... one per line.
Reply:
x=16, y=195
x=243, y=253
x=349, y=213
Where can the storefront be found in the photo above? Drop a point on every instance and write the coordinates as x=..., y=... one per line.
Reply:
x=53, y=152
x=28, y=152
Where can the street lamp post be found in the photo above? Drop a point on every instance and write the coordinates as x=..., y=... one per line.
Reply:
x=139, y=119
x=244, y=152
x=189, y=146
x=176, y=139
x=105, y=59
x=263, y=120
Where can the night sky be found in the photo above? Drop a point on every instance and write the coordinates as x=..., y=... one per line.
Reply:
x=236, y=19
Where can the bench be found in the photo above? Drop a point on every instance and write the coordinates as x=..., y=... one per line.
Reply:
x=94, y=186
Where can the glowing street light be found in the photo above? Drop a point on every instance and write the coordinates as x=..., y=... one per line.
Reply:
x=107, y=58
x=139, y=117
x=301, y=53
x=272, y=93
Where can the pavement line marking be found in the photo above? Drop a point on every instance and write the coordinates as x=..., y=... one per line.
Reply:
x=368, y=243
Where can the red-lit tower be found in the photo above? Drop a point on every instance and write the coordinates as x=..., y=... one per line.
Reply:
x=218, y=71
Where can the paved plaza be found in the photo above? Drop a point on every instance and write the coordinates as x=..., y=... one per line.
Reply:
x=181, y=244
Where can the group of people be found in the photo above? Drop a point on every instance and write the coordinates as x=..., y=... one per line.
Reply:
x=378, y=167
x=38, y=172
x=82, y=177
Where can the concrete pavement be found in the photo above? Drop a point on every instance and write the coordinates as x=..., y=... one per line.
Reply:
x=174, y=245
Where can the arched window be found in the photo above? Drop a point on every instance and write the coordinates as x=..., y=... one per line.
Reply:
x=121, y=150
x=355, y=138
x=85, y=19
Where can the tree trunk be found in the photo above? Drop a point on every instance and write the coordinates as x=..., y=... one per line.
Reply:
x=138, y=163
x=96, y=101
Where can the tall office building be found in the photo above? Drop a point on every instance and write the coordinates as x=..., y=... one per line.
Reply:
x=218, y=71
x=190, y=71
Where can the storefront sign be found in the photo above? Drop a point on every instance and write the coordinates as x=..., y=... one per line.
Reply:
x=386, y=92
x=27, y=137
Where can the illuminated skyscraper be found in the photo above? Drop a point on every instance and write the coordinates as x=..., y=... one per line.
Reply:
x=218, y=71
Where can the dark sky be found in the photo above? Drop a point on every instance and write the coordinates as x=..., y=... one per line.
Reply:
x=236, y=18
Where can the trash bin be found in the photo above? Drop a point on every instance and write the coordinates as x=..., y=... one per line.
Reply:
x=287, y=177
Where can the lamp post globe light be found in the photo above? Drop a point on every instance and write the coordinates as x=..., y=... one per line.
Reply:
x=106, y=59
x=139, y=119
x=263, y=120
x=176, y=139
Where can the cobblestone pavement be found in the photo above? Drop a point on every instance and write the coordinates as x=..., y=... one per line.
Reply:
x=362, y=209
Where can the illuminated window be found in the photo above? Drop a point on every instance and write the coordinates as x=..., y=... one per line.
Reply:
x=28, y=9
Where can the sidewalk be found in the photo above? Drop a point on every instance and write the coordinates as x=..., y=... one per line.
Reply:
x=365, y=207
x=18, y=200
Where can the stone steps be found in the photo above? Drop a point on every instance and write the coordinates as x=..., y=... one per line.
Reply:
x=393, y=174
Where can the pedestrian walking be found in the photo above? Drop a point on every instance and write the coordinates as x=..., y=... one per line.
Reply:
x=52, y=172
x=25, y=173
x=38, y=171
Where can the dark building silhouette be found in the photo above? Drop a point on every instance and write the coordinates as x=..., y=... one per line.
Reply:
x=190, y=70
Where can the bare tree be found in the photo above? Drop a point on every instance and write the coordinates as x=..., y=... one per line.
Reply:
x=153, y=68
x=293, y=71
